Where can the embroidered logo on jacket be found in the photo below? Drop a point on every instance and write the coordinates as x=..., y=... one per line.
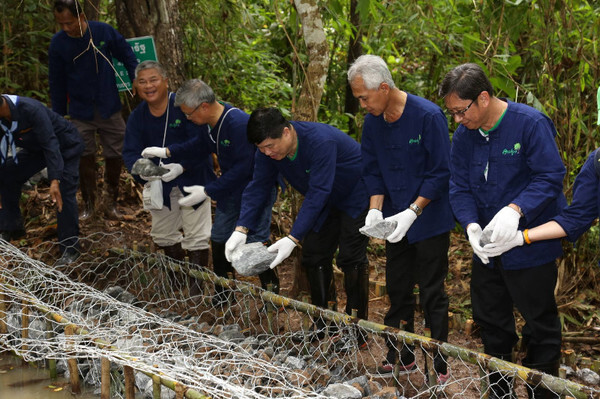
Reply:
x=514, y=151
x=415, y=141
x=225, y=143
x=175, y=124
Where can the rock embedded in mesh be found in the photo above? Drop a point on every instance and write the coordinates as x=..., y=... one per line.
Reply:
x=145, y=167
x=382, y=230
x=251, y=259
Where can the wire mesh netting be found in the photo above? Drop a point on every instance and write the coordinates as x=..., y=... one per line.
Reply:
x=134, y=309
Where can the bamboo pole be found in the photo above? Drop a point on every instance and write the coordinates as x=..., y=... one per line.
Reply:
x=129, y=382
x=49, y=336
x=156, y=387
x=104, y=378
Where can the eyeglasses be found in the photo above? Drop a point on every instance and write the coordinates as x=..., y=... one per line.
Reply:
x=462, y=112
x=192, y=113
x=152, y=81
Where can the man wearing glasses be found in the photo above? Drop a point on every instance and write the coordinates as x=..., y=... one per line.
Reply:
x=405, y=150
x=506, y=175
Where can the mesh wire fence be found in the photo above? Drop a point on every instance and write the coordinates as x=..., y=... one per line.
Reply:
x=134, y=309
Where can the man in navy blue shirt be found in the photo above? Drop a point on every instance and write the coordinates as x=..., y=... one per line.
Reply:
x=506, y=175
x=406, y=150
x=158, y=122
x=83, y=86
x=224, y=135
x=324, y=165
x=46, y=141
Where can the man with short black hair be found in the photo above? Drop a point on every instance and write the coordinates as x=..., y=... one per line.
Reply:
x=83, y=86
x=324, y=165
x=47, y=141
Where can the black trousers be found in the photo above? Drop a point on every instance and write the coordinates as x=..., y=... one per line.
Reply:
x=494, y=292
x=426, y=263
x=339, y=230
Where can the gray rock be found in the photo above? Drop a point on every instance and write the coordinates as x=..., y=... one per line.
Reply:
x=146, y=167
x=380, y=230
x=251, y=259
x=232, y=336
x=568, y=370
x=363, y=382
x=588, y=376
x=295, y=363
x=485, y=237
x=342, y=391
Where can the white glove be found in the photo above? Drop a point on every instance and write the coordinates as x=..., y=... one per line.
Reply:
x=503, y=225
x=405, y=219
x=175, y=169
x=496, y=249
x=474, y=233
x=373, y=217
x=236, y=239
x=150, y=178
x=197, y=195
x=284, y=248
x=151, y=152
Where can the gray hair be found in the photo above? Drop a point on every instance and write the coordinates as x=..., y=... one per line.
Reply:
x=194, y=92
x=373, y=70
x=150, y=65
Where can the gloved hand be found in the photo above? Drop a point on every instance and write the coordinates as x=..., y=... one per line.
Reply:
x=284, y=248
x=175, y=169
x=504, y=224
x=151, y=152
x=474, y=233
x=496, y=249
x=405, y=219
x=236, y=239
x=151, y=178
x=196, y=196
x=373, y=217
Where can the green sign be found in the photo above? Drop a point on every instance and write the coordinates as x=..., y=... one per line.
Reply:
x=144, y=49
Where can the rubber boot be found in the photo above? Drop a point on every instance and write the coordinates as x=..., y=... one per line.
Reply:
x=200, y=258
x=501, y=386
x=176, y=252
x=87, y=184
x=356, y=285
x=222, y=268
x=112, y=175
x=267, y=277
x=320, y=279
x=538, y=391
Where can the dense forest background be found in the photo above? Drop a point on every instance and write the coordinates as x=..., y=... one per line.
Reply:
x=296, y=52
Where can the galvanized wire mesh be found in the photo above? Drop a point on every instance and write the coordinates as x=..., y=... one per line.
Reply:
x=133, y=308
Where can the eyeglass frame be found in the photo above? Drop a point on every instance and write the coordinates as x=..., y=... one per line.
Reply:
x=462, y=112
x=192, y=113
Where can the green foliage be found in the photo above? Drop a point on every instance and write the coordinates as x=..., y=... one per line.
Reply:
x=27, y=26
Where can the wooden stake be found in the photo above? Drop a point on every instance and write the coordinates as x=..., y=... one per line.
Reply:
x=25, y=325
x=129, y=382
x=50, y=336
x=72, y=363
x=156, y=387
x=104, y=378
x=468, y=327
x=3, y=329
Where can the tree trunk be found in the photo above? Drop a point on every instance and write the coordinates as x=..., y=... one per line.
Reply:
x=92, y=9
x=354, y=51
x=307, y=109
x=160, y=19
x=318, y=60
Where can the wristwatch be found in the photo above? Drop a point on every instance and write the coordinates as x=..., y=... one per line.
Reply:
x=416, y=209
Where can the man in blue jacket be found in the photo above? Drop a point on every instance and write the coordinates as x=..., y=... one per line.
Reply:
x=46, y=141
x=158, y=122
x=83, y=86
x=225, y=138
x=324, y=165
x=406, y=150
x=506, y=175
